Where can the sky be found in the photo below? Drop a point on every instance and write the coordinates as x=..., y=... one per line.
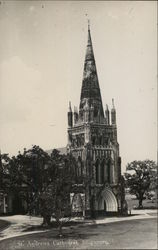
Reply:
x=42, y=50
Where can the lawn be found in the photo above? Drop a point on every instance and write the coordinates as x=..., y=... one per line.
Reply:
x=133, y=202
x=3, y=225
x=135, y=234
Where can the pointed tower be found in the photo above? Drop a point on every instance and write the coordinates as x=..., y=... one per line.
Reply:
x=75, y=115
x=107, y=115
x=90, y=84
x=70, y=116
x=92, y=140
x=113, y=114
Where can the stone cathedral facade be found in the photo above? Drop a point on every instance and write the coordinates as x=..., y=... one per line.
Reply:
x=92, y=139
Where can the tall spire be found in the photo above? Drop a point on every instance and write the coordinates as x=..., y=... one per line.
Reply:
x=90, y=84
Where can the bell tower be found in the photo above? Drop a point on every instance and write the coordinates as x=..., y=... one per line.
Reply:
x=92, y=139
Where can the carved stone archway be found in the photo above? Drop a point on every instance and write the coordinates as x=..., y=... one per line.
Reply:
x=107, y=201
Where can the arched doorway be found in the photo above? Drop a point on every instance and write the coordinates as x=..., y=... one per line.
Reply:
x=107, y=201
x=78, y=204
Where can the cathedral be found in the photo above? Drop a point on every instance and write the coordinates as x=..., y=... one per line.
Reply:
x=92, y=140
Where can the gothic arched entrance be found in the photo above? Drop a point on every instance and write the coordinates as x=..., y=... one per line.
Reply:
x=107, y=201
x=78, y=203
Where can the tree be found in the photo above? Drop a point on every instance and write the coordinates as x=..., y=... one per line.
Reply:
x=4, y=174
x=44, y=182
x=55, y=198
x=36, y=174
x=4, y=180
x=28, y=174
x=140, y=179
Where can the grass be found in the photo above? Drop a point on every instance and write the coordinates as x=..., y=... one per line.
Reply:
x=3, y=224
x=53, y=225
x=147, y=204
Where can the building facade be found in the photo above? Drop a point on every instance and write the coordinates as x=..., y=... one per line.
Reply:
x=92, y=140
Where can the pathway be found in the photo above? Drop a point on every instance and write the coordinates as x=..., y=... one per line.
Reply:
x=19, y=223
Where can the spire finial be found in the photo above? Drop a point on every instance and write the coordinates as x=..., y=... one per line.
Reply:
x=88, y=24
x=88, y=21
x=70, y=110
x=113, y=106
